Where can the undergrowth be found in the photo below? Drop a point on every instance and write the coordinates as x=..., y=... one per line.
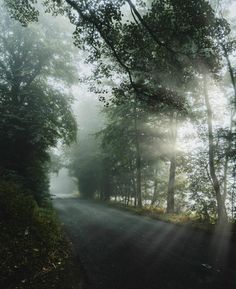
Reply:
x=184, y=219
x=33, y=251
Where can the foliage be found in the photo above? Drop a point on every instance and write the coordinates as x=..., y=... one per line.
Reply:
x=86, y=167
x=156, y=56
x=34, y=253
x=35, y=115
x=29, y=238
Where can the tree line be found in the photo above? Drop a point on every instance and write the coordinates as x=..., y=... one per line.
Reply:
x=165, y=81
x=164, y=59
x=35, y=114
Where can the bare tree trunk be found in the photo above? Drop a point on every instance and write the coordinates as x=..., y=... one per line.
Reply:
x=154, y=198
x=226, y=163
x=233, y=111
x=134, y=190
x=233, y=200
x=225, y=177
x=171, y=183
x=138, y=164
x=221, y=210
x=231, y=72
x=138, y=159
x=128, y=196
x=171, y=187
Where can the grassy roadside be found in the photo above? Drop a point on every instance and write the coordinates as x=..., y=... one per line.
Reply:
x=190, y=221
x=34, y=252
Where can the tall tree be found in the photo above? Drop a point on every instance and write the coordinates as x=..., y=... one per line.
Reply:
x=34, y=114
x=158, y=49
x=171, y=184
x=215, y=181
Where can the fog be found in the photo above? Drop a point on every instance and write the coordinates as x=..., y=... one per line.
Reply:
x=160, y=141
x=62, y=185
x=118, y=118
x=137, y=118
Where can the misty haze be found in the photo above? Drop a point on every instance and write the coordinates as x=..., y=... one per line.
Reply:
x=118, y=144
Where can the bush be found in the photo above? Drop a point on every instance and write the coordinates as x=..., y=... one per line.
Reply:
x=15, y=205
x=46, y=227
x=30, y=238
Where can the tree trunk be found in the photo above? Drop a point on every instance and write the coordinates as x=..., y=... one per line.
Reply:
x=171, y=183
x=138, y=159
x=134, y=191
x=138, y=164
x=154, y=198
x=231, y=72
x=233, y=111
x=171, y=187
x=221, y=210
x=233, y=200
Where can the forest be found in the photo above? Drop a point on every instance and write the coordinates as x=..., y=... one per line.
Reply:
x=165, y=137
x=135, y=99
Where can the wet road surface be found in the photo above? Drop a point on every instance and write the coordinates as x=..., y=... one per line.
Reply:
x=119, y=250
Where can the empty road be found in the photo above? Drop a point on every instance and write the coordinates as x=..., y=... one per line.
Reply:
x=119, y=250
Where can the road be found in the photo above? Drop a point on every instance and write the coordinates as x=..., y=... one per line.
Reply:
x=120, y=250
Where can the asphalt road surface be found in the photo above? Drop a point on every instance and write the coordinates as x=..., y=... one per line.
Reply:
x=119, y=250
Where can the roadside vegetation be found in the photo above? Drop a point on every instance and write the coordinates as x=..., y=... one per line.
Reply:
x=168, y=127
x=190, y=220
x=35, y=116
x=34, y=251
x=164, y=143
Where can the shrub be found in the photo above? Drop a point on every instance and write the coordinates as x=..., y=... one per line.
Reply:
x=30, y=238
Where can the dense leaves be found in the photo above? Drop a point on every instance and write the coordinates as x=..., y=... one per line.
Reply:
x=157, y=56
x=35, y=115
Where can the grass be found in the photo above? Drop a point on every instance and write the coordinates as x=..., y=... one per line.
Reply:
x=34, y=253
x=182, y=219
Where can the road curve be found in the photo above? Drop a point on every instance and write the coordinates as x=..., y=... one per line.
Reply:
x=119, y=250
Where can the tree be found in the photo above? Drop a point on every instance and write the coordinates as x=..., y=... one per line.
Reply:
x=121, y=146
x=34, y=114
x=222, y=215
x=171, y=184
x=158, y=51
x=85, y=158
